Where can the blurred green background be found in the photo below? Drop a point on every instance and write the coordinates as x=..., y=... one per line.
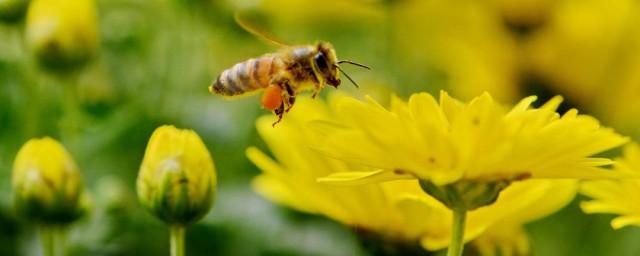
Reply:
x=157, y=58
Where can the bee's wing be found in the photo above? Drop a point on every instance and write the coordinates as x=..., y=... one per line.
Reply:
x=242, y=21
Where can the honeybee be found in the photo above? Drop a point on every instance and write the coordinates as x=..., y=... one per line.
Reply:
x=283, y=74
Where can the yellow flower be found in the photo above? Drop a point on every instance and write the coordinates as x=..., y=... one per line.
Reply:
x=62, y=34
x=397, y=212
x=177, y=178
x=621, y=197
x=455, y=142
x=47, y=185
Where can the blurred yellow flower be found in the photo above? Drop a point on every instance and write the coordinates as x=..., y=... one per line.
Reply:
x=465, y=43
x=62, y=34
x=177, y=178
x=587, y=51
x=398, y=212
x=621, y=197
x=480, y=141
x=47, y=185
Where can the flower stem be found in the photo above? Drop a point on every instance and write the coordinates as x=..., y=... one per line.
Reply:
x=456, y=245
x=47, y=239
x=177, y=240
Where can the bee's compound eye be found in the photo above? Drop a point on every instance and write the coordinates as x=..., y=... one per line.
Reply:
x=321, y=62
x=272, y=97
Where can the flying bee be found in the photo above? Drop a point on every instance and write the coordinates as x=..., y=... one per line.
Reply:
x=283, y=74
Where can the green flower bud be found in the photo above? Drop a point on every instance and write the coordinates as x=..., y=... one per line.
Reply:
x=63, y=35
x=177, y=179
x=47, y=185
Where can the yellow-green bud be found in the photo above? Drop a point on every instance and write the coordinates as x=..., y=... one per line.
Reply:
x=177, y=178
x=12, y=10
x=46, y=182
x=63, y=34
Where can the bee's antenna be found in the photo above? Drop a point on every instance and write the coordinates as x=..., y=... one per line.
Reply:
x=352, y=63
x=345, y=74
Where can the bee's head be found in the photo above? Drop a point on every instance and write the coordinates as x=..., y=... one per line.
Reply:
x=325, y=65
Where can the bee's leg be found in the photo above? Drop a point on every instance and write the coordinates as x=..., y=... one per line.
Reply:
x=279, y=112
x=289, y=102
x=291, y=97
x=317, y=90
x=286, y=100
x=288, y=88
x=292, y=100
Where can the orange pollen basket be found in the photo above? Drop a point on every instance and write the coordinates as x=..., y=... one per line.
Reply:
x=272, y=97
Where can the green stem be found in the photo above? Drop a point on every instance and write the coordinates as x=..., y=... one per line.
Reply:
x=177, y=240
x=456, y=245
x=47, y=237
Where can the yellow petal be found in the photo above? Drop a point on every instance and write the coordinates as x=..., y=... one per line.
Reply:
x=281, y=193
x=359, y=178
x=427, y=114
x=450, y=106
x=523, y=105
x=627, y=220
x=553, y=103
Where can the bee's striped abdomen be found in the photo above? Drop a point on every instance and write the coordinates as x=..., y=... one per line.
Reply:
x=244, y=77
